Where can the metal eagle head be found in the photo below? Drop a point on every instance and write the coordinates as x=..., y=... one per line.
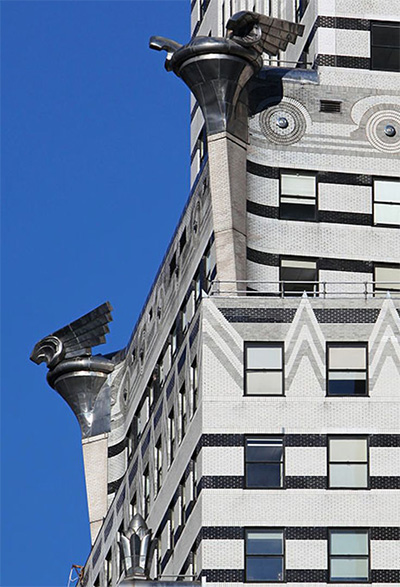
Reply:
x=262, y=33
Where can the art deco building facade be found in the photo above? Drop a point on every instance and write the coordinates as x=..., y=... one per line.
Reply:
x=253, y=418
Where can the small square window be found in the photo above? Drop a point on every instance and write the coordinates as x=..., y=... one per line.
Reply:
x=347, y=369
x=298, y=200
x=263, y=368
x=265, y=557
x=264, y=463
x=298, y=276
x=387, y=202
x=348, y=556
x=386, y=278
x=348, y=462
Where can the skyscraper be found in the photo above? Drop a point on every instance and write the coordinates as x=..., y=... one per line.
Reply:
x=252, y=420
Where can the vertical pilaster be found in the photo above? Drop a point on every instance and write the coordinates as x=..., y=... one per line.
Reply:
x=95, y=463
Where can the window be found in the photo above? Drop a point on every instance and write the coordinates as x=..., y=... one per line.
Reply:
x=298, y=276
x=194, y=393
x=171, y=436
x=158, y=466
x=108, y=570
x=387, y=202
x=298, y=200
x=146, y=492
x=348, y=555
x=264, y=555
x=171, y=527
x=263, y=368
x=182, y=497
x=193, y=487
x=385, y=46
x=264, y=463
x=348, y=462
x=133, y=507
x=387, y=278
x=182, y=240
x=347, y=369
x=182, y=411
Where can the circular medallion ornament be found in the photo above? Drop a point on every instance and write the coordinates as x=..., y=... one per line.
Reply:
x=382, y=131
x=283, y=124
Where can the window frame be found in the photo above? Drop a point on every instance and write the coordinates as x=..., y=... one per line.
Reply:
x=375, y=201
x=314, y=292
x=367, y=462
x=270, y=344
x=344, y=344
x=303, y=173
x=392, y=24
x=368, y=556
x=283, y=555
x=282, y=468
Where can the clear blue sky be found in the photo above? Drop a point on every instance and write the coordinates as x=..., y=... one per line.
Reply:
x=95, y=160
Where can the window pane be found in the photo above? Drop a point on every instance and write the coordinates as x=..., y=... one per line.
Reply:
x=263, y=475
x=299, y=264
x=348, y=569
x=387, y=214
x=298, y=185
x=347, y=387
x=264, y=383
x=264, y=357
x=386, y=58
x=264, y=569
x=348, y=476
x=264, y=449
x=303, y=211
x=347, y=357
x=351, y=543
x=264, y=542
x=383, y=275
x=387, y=191
x=348, y=449
x=386, y=34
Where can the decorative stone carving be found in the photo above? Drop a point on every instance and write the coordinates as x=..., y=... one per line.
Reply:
x=283, y=124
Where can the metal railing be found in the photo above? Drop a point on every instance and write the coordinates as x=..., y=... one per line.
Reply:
x=313, y=289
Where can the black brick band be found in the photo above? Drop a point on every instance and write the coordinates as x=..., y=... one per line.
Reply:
x=116, y=449
x=259, y=315
x=346, y=315
x=348, y=61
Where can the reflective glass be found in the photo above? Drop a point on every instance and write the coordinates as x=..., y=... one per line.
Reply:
x=347, y=569
x=263, y=475
x=385, y=34
x=348, y=449
x=347, y=387
x=387, y=213
x=264, y=383
x=387, y=191
x=348, y=476
x=297, y=185
x=388, y=275
x=351, y=543
x=264, y=569
x=264, y=357
x=264, y=542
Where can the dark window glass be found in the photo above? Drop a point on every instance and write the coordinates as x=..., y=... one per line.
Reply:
x=385, y=46
x=264, y=463
x=264, y=555
x=297, y=196
x=298, y=276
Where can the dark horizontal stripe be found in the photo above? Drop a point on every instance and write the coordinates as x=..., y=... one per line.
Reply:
x=306, y=440
x=385, y=533
x=259, y=315
x=353, y=266
x=335, y=177
x=390, y=482
x=344, y=217
x=116, y=449
x=261, y=210
x=291, y=575
x=306, y=533
x=347, y=61
x=346, y=315
x=221, y=482
x=305, y=482
x=262, y=258
x=340, y=22
x=222, y=440
x=385, y=575
x=306, y=575
x=223, y=575
x=113, y=486
x=262, y=170
x=384, y=440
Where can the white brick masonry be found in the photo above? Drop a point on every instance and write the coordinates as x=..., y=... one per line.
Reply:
x=346, y=198
x=223, y=554
x=305, y=461
x=223, y=460
x=293, y=507
x=370, y=9
x=384, y=461
x=385, y=554
x=263, y=190
x=306, y=554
